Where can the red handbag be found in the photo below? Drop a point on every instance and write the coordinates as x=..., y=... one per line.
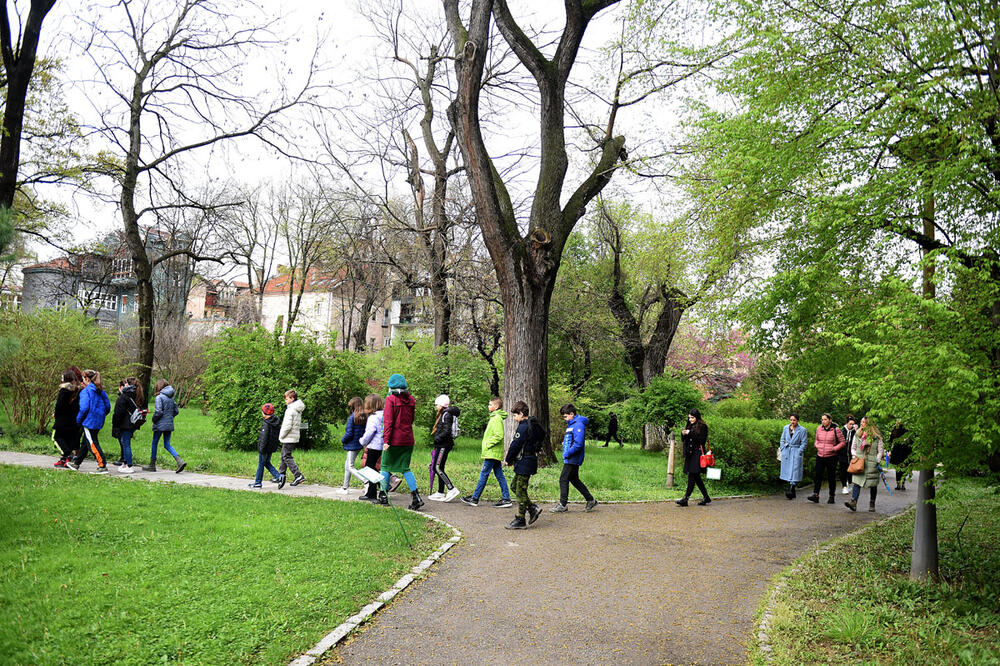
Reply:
x=708, y=459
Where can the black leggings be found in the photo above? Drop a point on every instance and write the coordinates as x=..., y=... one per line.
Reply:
x=68, y=440
x=827, y=467
x=371, y=461
x=695, y=479
x=439, y=462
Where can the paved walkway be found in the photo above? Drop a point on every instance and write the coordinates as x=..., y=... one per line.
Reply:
x=627, y=583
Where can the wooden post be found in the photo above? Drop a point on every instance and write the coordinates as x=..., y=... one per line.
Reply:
x=670, y=460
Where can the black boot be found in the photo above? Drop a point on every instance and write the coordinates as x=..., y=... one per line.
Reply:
x=793, y=492
x=417, y=502
x=382, y=498
x=682, y=501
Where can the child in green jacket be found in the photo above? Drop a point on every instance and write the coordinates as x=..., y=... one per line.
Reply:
x=492, y=455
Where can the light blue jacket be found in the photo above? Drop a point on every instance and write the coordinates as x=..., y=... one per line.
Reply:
x=573, y=440
x=793, y=449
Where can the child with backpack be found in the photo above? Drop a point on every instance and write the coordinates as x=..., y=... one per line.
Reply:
x=492, y=454
x=445, y=431
x=523, y=455
x=127, y=419
x=94, y=408
x=65, y=432
x=397, y=436
x=267, y=444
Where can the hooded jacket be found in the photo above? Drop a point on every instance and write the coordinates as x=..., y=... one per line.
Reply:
x=94, y=407
x=397, y=427
x=267, y=440
x=165, y=411
x=352, y=434
x=67, y=407
x=523, y=450
x=121, y=420
x=372, y=439
x=291, y=423
x=493, y=437
x=573, y=440
x=442, y=436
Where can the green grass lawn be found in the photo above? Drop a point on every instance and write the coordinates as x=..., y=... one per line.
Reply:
x=855, y=603
x=627, y=474
x=95, y=570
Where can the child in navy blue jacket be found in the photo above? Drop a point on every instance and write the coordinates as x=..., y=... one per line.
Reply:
x=523, y=455
x=355, y=428
x=267, y=444
x=573, y=452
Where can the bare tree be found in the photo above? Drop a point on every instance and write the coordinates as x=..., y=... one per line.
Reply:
x=18, y=63
x=175, y=68
x=253, y=243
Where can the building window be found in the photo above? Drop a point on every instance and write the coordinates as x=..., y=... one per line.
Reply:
x=121, y=267
x=97, y=297
x=406, y=311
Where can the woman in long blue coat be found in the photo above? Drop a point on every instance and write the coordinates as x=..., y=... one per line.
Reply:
x=793, y=449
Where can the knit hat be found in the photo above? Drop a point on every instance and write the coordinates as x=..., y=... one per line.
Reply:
x=442, y=401
x=397, y=381
x=268, y=409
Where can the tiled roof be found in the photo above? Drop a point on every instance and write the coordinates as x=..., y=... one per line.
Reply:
x=316, y=281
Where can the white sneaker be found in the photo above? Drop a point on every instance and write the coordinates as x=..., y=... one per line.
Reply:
x=451, y=494
x=343, y=491
x=126, y=469
x=437, y=497
x=845, y=491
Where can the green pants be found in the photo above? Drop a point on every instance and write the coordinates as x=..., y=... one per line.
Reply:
x=521, y=492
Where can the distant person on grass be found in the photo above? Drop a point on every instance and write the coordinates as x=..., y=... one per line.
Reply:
x=444, y=441
x=844, y=455
x=94, y=408
x=829, y=443
x=868, y=445
x=792, y=449
x=574, y=442
x=695, y=437
x=523, y=455
x=65, y=431
x=372, y=442
x=163, y=425
x=353, y=429
x=267, y=444
x=492, y=454
x=397, y=435
x=613, y=430
x=122, y=427
x=900, y=448
x=291, y=431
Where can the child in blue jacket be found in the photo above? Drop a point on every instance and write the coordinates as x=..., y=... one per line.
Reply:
x=357, y=420
x=573, y=452
x=94, y=408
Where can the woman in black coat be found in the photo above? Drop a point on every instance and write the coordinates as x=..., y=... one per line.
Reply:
x=66, y=432
x=694, y=436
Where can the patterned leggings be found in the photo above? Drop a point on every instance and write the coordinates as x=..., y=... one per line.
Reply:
x=521, y=492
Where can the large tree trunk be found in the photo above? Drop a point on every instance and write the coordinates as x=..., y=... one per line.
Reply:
x=526, y=344
x=924, y=560
x=18, y=63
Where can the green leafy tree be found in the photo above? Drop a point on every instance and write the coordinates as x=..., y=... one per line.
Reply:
x=862, y=132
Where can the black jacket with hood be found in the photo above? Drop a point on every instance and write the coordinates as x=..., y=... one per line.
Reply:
x=442, y=436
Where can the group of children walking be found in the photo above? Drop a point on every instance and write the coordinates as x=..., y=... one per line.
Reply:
x=81, y=410
x=284, y=436
x=379, y=437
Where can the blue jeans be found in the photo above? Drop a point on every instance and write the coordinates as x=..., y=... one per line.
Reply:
x=264, y=460
x=497, y=469
x=125, y=439
x=166, y=444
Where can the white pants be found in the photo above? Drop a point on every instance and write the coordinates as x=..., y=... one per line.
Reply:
x=349, y=468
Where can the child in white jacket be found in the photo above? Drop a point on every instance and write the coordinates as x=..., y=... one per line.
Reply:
x=372, y=441
x=291, y=426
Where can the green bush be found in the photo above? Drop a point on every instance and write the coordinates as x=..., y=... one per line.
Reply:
x=249, y=366
x=745, y=449
x=735, y=408
x=47, y=342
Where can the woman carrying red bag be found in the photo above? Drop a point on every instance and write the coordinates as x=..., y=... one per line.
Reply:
x=695, y=438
